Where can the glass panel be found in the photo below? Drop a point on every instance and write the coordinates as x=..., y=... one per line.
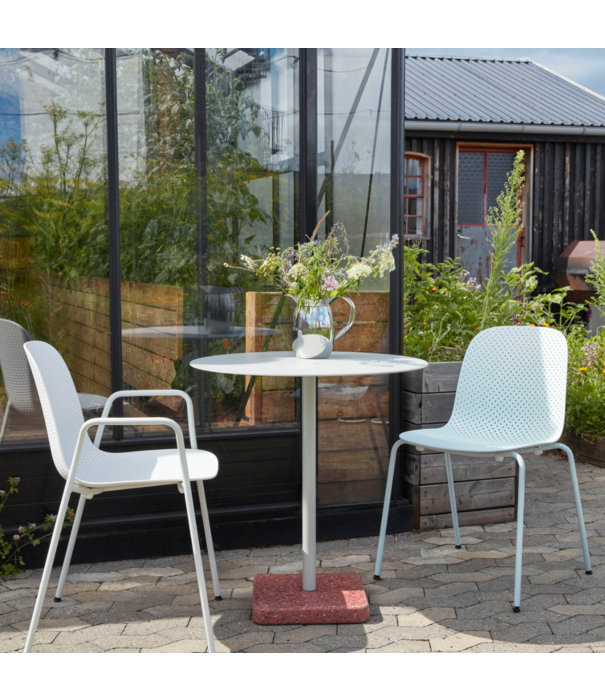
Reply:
x=471, y=176
x=414, y=166
x=415, y=207
x=354, y=184
x=499, y=165
x=179, y=228
x=414, y=185
x=415, y=225
x=54, y=257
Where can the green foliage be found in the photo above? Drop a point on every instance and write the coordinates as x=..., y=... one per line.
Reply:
x=30, y=534
x=504, y=223
x=445, y=308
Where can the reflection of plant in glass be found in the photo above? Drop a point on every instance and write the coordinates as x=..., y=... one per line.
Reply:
x=10, y=550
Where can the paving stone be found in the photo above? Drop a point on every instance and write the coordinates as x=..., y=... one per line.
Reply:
x=128, y=583
x=148, y=641
x=426, y=617
x=396, y=596
x=571, y=610
x=451, y=589
x=241, y=642
x=459, y=641
x=404, y=646
x=183, y=646
x=284, y=649
x=577, y=625
x=475, y=576
x=100, y=577
x=304, y=634
x=144, y=627
x=152, y=571
x=555, y=576
x=348, y=560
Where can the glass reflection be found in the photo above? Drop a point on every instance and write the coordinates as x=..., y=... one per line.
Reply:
x=53, y=236
x=208, y=174
x=354, y=186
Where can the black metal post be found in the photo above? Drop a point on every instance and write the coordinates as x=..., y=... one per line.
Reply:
x=201, y=169
x=308, y=142
x=397, y=227
x=113, y=216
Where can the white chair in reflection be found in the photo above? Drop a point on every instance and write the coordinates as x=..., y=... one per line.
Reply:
x=18, y=380
x=90, y=471
x=510, y=401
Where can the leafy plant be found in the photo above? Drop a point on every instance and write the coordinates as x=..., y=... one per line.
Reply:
x=30, y=534
x=321, y=270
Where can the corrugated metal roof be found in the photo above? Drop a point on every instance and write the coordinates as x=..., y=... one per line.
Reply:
x=497, y=91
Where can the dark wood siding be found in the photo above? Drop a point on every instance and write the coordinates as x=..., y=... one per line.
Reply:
x=567, y=185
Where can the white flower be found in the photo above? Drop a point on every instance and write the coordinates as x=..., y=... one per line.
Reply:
x=297, y=271
x=359, y=271
x=385, y=262
x=248, y=262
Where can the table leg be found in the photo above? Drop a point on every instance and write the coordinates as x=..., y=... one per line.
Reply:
x=309, y=480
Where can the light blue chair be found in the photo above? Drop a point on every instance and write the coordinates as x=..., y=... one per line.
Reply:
x=510, y=401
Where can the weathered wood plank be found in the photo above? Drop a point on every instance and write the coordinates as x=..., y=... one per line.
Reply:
x=437, y=377
x=472, y=517
x=427, y=408
x=470, y=495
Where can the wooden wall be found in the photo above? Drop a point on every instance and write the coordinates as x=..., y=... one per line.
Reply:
x=567, y=183
x=353, y=423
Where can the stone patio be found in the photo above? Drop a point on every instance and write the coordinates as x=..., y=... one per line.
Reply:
x=432, y=597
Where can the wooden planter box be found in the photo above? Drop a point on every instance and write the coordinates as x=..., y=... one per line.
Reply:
x=584, y=451
x=485, y=489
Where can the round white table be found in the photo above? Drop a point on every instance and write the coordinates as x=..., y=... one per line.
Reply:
x=285, y=364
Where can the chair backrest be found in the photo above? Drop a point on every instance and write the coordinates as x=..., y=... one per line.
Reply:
x=60, y=404
x=17, y=375
x=512, y=386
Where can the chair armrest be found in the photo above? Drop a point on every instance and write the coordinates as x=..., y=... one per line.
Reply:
x=151, y=392
x=168, y=422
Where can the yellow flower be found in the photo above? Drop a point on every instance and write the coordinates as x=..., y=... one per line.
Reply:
x=532, y=324
x=546, y=324
x=434, y=288
x=583, y=369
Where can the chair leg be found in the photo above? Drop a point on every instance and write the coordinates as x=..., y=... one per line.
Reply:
x=452, y=492
x=208, y=534
x=70, y=548
x=519, y=546
x=385, y=510
x=5, y=420
x=576, y=493
x=199, y=567
x=48, y=567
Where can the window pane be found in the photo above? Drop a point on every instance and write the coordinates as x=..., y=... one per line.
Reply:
x=414, y=185
x=354, y=184
x=186, y=211
x=471, y=188
x=415, y=226
x=54, y=261
x=414, y=166
x=499, y=165
x=414, y=206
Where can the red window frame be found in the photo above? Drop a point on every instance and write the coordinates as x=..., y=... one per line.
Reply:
x=407, y=196
x=485, y=151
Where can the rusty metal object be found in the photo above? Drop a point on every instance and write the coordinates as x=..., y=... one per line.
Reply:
x=573, y=265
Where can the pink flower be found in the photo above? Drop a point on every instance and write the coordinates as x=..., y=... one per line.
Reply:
x=15, y=537
x=330, y=283
x=2, y=492
x=16, y=479
x=53, y=518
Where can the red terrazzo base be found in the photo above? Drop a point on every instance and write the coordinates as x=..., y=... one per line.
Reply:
x=279, y=599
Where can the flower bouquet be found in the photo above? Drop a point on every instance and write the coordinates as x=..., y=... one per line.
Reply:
x=313, y=275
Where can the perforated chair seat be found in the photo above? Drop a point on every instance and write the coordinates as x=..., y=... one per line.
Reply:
x=100, y=469
x=447, y=440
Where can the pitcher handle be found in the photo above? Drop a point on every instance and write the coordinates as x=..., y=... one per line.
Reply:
x=351, y=317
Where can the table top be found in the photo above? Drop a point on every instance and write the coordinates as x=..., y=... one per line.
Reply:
x=200, y=332
x=285, y=364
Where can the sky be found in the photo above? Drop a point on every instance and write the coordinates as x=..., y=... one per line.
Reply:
x=583, y=66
